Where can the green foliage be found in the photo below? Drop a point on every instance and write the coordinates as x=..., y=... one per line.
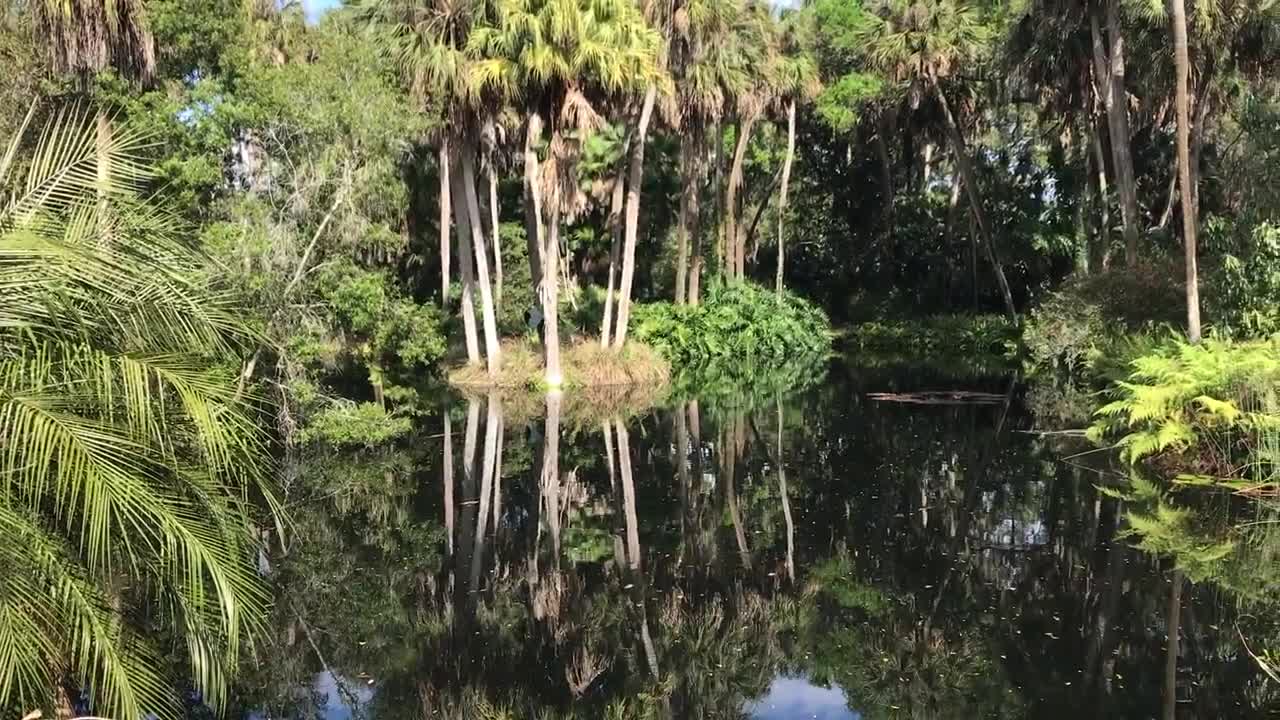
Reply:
x=383, y=325
x=1206, y=404
x=744, y=326
x=126, y=537
x=1242, y=293
x=349, y=424
x=1063, y=333
x=836, y=580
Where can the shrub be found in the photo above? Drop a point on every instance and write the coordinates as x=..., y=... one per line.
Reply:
x=1063, y=331
x=743, y=325
x=1208, y=408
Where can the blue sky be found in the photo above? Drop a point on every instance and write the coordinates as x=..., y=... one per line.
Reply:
x=316, y=8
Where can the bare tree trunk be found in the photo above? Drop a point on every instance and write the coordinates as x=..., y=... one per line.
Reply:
x=615, y=249
x=634, y=180
x=735, y=258
x=1104, y=200
x=462, y=233
x=692, y=190
x=551, y=298
x=495, y=237
x=533, y=230
x=492, y=348
x=1182, y=65
x=974, y=193
x=1108, y=58
x=445, y=221
x=782, y=197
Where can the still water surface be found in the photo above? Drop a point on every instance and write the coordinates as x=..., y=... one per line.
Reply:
x=833, y=554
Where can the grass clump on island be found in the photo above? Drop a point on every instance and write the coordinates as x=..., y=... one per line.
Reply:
x=584, y=363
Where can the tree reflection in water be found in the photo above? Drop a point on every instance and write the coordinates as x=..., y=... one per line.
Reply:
x=929, y=561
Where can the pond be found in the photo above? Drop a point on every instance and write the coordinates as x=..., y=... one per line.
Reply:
x=888, y=543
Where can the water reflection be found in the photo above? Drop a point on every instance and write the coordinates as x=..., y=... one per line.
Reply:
x=834, y=552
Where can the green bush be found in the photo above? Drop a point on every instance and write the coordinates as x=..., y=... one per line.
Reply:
x=743, y=326
x=1063, y=332
x=1207, y=409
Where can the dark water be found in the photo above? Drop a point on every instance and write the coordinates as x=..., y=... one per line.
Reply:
x=828, y=554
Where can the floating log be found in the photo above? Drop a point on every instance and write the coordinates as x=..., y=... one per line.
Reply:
x=940, y=397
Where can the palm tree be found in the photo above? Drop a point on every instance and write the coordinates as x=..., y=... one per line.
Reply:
x=564, y=59
x=86, y=37
x=129, y=461
x=428, y=40
x=1182, y=66
x=795, y=78
x=752, y=44
x=920, y=45
x=706, y=70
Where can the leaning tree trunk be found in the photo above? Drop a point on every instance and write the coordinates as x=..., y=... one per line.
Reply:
x=492, y=349
x=782, y=195
x=1182, y=65
x=1108, y=59
x=615, y=250
x=445, y=221
x=634, y=179
x=462, y=233
x=974, y=193
x=735, y=257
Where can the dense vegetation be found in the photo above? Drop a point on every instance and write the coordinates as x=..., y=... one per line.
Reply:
x=233, y=229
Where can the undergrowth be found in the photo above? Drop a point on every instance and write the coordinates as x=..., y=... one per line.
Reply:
x=741, y=327
x=1208, y=409
x=991, y=337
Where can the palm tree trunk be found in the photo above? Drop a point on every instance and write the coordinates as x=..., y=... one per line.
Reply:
x=1182, y=65
x=462, y=233
x=551, y=299
x=495, y=236
x=1108, y=58
x=782, y=197
x=634, y=180
x=533, y=230
x=615, y=249
x=974, y=193
x=445, y=221
x=735, y=259
x=492, y=349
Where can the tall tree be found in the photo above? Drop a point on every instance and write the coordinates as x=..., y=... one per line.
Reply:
x=1182, y=68
x=86, y=37
x=921, y=45
x=564, y=59
x=1109, y=61
x=795, y=79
